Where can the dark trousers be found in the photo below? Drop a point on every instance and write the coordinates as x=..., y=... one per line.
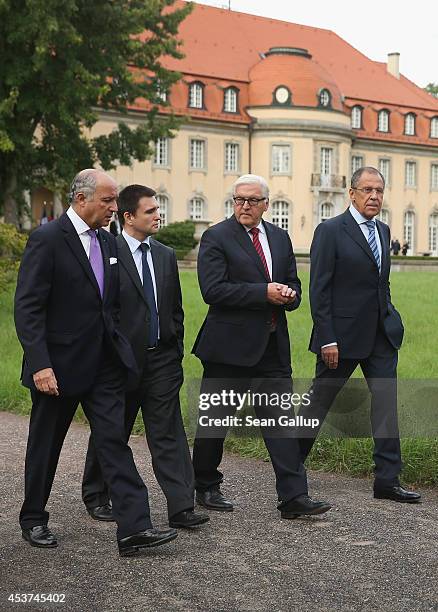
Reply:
x=50, y=419
x=158, y=397
x=380, y=372
x=289, y=471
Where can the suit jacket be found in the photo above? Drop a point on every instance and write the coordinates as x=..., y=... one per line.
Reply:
x=349, y=299
x=134, y=313
x=233, y=282
x=60, y=317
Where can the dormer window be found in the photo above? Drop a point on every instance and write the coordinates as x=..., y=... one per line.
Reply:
x=356, y=117
x=434, y=127
x=383, y=121
x=196, y=95
x=325, y=98
x=230, y=100
x=410, y=124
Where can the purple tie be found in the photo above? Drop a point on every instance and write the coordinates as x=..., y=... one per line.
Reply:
x=96, y=259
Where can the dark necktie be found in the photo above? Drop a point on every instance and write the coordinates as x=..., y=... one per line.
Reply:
x=372, y=241
x=96, y=260
x=258, y=247
x=148, y=289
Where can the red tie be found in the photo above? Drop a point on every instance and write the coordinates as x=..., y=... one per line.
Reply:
x=258, y=247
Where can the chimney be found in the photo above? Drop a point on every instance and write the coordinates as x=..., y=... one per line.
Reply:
x=393, y=66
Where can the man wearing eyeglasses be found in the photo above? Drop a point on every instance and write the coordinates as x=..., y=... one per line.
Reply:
x=355, y=323
x=247, y=275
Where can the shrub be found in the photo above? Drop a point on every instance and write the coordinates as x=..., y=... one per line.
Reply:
x=12, y=244
x=179, y=236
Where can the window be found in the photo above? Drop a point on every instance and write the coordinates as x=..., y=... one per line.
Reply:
x=410, y=174
x=384, y=216
x=383, y=121
x=385, y=168
x=434, y=177
x=325, y=211
x=356, y=163
x=231, y=157
x=196, y=95
x=280, y=214
x=229, y=208
x=408, y=230
x=434, y=127
x=161, y=92
x=197, y=154
x=161, y=157
x=196, y=211
x=326, y=160
x=410, y=124
x=163, y=203
x=433, y=234
x=280, y=159
x=325, y=98
x=230, y=100
x=356, y=117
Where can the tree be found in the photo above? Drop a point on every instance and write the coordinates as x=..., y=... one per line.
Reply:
x=432, y=88
x=63, y=61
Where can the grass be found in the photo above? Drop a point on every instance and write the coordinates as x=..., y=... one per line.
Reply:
x=415, y=295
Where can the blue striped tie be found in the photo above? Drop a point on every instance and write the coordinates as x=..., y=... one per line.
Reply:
x=372, y=241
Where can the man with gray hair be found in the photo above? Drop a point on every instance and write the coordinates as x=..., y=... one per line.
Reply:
x=248, y=277
x=66, y=316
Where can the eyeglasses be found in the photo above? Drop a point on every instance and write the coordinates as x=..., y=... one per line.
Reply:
x=238, y=201
x=369, y=190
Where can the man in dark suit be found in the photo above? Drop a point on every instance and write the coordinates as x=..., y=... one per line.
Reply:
x=151, y=317
x=355, y=323
x=66, y=314
x=247, y=275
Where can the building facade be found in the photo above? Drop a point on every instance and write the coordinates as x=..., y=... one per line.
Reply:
x=299, y=106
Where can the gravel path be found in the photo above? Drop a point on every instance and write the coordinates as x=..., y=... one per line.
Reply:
x=365, y=554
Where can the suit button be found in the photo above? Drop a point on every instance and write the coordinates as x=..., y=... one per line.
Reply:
x=268, y=322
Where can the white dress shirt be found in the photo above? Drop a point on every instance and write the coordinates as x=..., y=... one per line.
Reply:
x=134, y=247
x=81, y=228
x=265, y=245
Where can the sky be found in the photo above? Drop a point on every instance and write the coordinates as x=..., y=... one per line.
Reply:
x=385, y=26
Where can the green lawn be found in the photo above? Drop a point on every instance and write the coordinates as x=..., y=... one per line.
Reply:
x=414, y=293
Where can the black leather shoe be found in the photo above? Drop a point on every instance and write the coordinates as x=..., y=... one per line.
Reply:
x=214, y=500
x=398, y=494
x=188, y=519
x=145, y=539
x=40, y=536
x=302, y=506
x=101, y=513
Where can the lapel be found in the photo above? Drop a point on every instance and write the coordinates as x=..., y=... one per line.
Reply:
x=353, y=229
x=158, y=261
x=126, y=259
x=385, y=247
x=274, y=247
x=102, y=236
x=75, y=244
x=244, y=241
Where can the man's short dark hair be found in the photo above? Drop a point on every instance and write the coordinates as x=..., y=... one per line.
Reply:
x=370, y=170
x=129, y=198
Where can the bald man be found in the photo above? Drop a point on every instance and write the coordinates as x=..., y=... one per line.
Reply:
x=66, y=313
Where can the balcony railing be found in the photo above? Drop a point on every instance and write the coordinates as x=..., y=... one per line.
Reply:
x=329, y=181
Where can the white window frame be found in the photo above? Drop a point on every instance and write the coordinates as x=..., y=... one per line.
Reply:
x=228, y=208
x=326, y=161
x=355, y=163
x=433, y=234
x=325, y=98
x=163, y=203
x=409, y=229
x=230, y=100
x=197, y=154
x=232, y=157
x=383, y=121
x=410, y=124
x=434, y=127
x=281, y=158
x=162, y=153
x=384, y=215
x=434, y=177
x=384, y=161
x=410, y=174
x=280, y=214
x=197, y=208
x=196, y=95
x=356, y=117
x=325, y=207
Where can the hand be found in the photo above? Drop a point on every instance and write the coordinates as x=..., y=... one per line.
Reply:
x=280, y=294
x=45, y=381
x=330, y=356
